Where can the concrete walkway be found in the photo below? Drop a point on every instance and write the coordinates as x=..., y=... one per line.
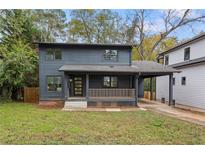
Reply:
x=194, y=117
x=103, y=109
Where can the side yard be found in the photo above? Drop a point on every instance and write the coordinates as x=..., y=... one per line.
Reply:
x=28, y=124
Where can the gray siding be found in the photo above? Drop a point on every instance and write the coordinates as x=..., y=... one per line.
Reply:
x=49, y=68
x=75, y=56
x=87, y=56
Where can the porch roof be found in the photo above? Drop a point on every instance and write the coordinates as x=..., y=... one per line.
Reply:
x=140, y=67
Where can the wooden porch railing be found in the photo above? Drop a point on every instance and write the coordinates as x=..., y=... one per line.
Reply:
x=105, y=92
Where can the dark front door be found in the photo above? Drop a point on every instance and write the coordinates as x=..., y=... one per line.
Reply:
x=76, y=88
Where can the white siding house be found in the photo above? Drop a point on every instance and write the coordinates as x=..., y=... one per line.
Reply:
x=189, y=84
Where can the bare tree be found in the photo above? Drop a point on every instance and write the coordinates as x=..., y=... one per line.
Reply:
x=172, y=20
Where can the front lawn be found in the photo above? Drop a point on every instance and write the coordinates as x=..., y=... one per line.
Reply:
x=28, y=124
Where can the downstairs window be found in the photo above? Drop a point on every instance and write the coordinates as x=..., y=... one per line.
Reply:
x=110, y=81
x=54, y=83
x=183, y=80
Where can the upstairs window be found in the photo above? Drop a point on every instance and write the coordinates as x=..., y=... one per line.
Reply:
x=183, y=80
x=53, y=54
x=57, y=54
x=187, y=54
x=166, y=60
x=110, y=82
x=49, y=54
x=111, y=55
x=54, y=83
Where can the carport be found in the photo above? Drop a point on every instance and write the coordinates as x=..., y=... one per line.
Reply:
x=150, y=69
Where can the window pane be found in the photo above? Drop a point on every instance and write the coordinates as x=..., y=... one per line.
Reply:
x=187, y=54
x=49, y=54
x=107, y=55
x=166, y=60
x=111, y=55
x=106, y=81
x=78, y=78
x=58, y=54
x=183, y=80
x=110, y=81
x=113, y=81
x=54, y=83
x=173, y=81
x=50, y=80
x=50, y=84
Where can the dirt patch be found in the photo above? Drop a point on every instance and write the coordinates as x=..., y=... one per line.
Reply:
x=51, y=104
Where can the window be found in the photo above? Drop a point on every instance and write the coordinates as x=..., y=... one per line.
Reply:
x=113, y=82
x=49, y=54
x=173, y=81
x=57, y=54
x=54, y=83
x=166, y=60
x=183, y=80
x=186, y=53
x=53, y=54
x=111, y=55
x=110, y=82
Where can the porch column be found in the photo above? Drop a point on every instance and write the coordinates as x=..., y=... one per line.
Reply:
x=66, y=91
x=170, y=89
x=151, y=88
x=141, y=87
x=87, y=85
x=131, y=78
x=136, y=89
x=68, y=85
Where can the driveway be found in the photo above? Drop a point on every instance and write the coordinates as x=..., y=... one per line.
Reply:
x=186, y=115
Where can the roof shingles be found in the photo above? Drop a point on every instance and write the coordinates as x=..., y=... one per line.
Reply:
x=136, y=67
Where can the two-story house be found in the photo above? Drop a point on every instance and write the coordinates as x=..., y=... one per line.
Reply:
x=85, y=75
x=189, y=85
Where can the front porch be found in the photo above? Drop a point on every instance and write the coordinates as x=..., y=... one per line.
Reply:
x=89, y=88
x=108, y=85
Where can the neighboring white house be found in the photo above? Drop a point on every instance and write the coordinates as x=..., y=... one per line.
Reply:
x=189, y=85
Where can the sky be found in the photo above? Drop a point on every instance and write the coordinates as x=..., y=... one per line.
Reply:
x=155, y=17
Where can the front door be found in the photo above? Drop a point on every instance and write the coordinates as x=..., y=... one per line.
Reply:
x=76, y=86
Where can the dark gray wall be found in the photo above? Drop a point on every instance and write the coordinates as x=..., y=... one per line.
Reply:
x=74, y=56
x=88, y=56
x=141, y=87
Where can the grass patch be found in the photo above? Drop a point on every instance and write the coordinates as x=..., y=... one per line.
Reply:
x=28, y=124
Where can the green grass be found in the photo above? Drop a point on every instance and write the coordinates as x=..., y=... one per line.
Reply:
x=28, y=124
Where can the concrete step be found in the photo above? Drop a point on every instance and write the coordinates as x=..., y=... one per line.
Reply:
x=75, y=104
